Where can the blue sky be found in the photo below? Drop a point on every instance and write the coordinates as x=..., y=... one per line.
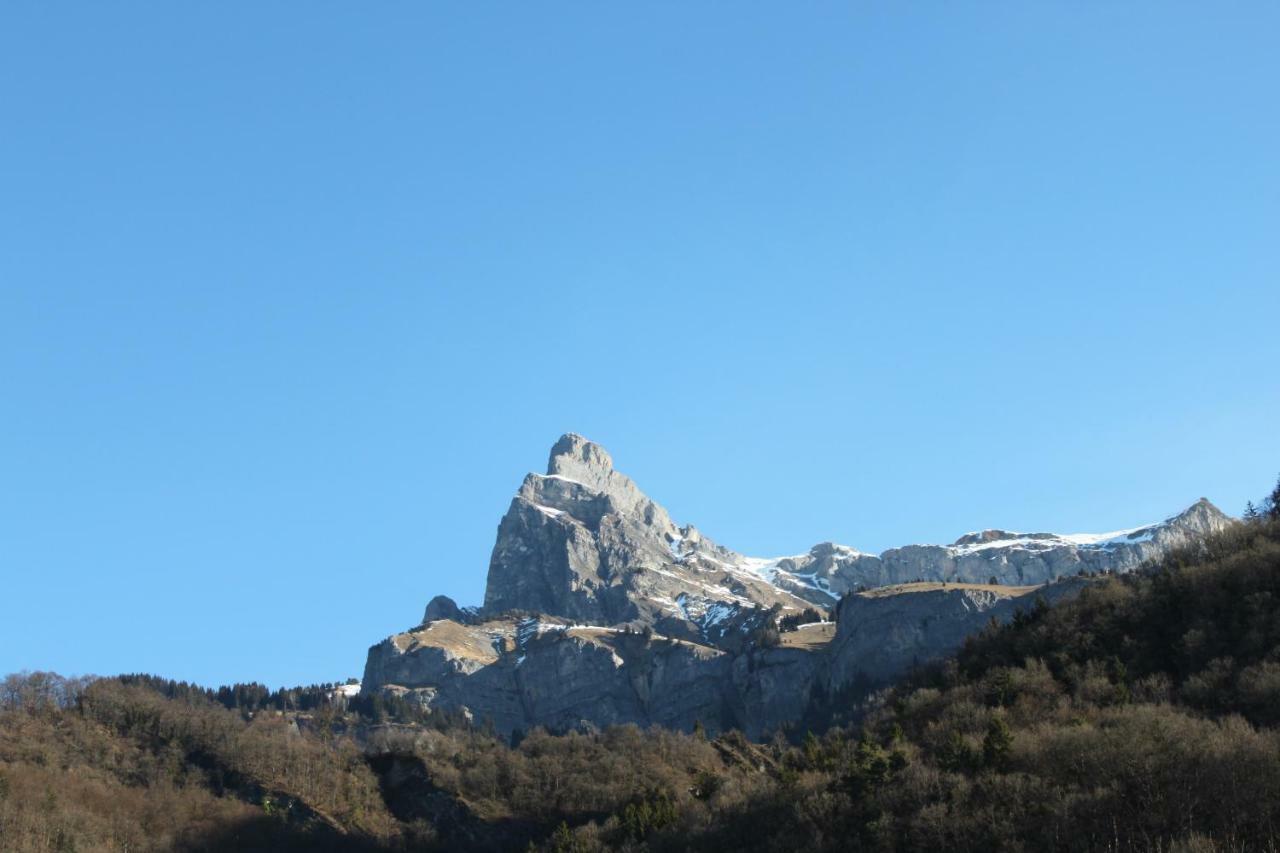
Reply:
x=293, y=294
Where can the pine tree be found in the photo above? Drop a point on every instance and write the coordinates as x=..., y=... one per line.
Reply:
x=812, y=751
x=1251, y=512
x=1272, y=503
x=996, y=744
x=564, y=841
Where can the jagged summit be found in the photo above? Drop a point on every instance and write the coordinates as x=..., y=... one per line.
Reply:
x=584, y=542
x=578, y=461
x=579, y=458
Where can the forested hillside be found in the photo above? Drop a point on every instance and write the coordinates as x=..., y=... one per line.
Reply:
x=1141, y=716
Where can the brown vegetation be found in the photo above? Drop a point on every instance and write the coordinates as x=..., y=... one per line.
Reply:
x=1142, y=716
x=935, y=586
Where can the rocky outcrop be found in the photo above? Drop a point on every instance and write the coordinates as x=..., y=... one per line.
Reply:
x=599, y=609
x=885, y=632
x=442, y=607
x=583, y=542
x=772, y=687
x=522, y=673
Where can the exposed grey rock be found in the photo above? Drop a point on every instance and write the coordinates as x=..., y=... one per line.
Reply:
x=774, y=686
x=829, y=571
x=522, y=673
x=442, y=607
x=885, y=632
x=534, y=672
x=599, y=610
x=583, y=542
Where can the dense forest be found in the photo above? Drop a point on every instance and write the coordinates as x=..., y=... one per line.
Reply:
x=1140, y=716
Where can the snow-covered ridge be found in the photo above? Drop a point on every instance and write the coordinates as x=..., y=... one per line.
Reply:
x=829, y=570
x=1043, y=541
x=973, y=542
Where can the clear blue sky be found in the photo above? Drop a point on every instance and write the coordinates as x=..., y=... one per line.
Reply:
x=293, y=294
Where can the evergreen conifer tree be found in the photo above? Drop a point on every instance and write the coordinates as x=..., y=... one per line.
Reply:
x=1272, y=503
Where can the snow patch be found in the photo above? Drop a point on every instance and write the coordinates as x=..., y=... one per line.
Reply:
x=563, y=478
x=1115, y=537
x=531, y=627
x=716, y=613
x=712, y=590
x=1049, y=541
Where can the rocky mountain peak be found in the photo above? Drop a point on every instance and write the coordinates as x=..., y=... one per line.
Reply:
x=585, y=464
x=583, y=542
x=580, y=459
x=1197, y=520
x=1202, y=509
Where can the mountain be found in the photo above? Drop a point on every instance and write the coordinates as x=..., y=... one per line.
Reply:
x=600, y=609
x=583, y=542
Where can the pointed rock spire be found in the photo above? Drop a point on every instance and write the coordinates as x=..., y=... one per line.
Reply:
x=578, y=459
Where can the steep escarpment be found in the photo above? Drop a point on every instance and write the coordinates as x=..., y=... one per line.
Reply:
x=543, y=671
x=884, y=632
x=600, y=609
x=583, y=542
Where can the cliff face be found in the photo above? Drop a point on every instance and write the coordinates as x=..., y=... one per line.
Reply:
x=599, y=609
x=583, y=542
x=883, y=633
x=522, y=673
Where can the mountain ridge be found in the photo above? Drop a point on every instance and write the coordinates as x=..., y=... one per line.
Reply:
x=600, y=609
x=582, y=485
